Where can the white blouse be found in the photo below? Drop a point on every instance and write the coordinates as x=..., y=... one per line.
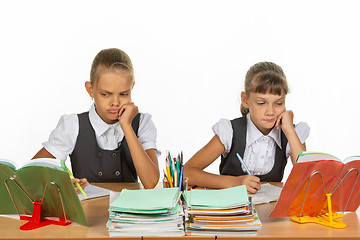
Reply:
x=259, y=155
x=62, y=139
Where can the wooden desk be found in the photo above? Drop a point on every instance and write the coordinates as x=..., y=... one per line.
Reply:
x=96, y=211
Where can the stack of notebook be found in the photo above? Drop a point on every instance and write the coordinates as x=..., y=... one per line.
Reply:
x=147, y=212
x=220, y=212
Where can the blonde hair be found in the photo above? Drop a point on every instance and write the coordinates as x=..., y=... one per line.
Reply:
x=264, y=77
x=110, y=60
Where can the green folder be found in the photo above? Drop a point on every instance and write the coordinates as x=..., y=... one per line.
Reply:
x=32, y=178
x=223, y=198
x=146, y=201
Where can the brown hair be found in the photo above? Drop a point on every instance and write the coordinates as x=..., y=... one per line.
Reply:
x=264, y=77
x=110, y=60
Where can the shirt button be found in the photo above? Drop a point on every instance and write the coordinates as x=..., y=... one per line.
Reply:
x=100, y=154
x=262, y=157
x=100, y=173
x=117, y=173
x=114, y=154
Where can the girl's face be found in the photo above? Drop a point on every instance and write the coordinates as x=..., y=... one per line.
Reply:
x=111, y=91
x=264, y=109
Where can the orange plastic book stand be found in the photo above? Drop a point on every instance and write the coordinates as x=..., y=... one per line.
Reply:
x=35, y=221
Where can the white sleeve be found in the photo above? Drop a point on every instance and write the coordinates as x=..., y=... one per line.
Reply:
x=302, y=129
x=147, y=132
x=62, y=139
x=224, y=131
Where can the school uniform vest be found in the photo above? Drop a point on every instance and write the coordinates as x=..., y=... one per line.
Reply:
x=89, y=161
x=230, y=165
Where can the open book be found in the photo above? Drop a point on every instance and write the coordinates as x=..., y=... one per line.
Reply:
x=313, y=176
x=20, y=186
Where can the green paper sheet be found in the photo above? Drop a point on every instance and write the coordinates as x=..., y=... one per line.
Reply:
x=223, y=198
x=146, y=201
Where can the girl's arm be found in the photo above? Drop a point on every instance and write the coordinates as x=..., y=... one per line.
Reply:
x=145, y=162
x=286, y=120
x=43, y=153
x=194, y=170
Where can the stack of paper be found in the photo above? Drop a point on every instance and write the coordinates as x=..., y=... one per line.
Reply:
x=220, y=212
x=147, y=212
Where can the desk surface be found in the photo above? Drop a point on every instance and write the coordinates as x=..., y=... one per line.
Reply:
x=96, y=211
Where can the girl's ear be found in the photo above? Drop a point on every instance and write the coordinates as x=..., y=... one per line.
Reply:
x=244, y=99
x=89, y=89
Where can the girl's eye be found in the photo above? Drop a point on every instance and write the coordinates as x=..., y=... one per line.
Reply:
x=104, y=94
x=124, y=94
x=260, y=103
x=279, y=103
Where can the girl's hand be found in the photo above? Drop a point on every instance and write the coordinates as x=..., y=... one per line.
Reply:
x=252, y=183
x=285, y=120
x=127, y=113
x=83, y=183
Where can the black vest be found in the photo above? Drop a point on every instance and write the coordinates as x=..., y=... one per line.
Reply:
x=89, y=161
x=230, y=165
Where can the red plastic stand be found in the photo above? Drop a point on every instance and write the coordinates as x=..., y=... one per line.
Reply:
x=36, y=222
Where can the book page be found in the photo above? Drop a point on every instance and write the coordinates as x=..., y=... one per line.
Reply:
x=9, y=163
x=315, y=156
x=93, y=191
x=45, y=162
x=268, y=193
x=351, y=158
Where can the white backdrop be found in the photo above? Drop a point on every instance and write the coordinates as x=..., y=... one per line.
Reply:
x=190, y=59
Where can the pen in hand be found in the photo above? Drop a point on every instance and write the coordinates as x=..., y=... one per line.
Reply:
x=243, y=163
x=77, y=184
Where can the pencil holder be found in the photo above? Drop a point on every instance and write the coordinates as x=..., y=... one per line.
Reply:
x=173, y=172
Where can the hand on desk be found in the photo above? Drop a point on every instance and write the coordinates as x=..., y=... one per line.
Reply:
x=83, y=183
x=252, y=183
